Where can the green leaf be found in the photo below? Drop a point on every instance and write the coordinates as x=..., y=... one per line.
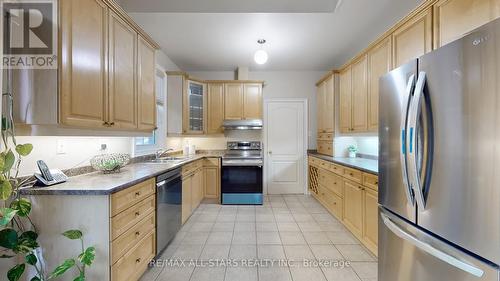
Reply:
x=6, y=215
x=27, y=242
x=31, y=259
x=88, y=256
x=61, y=269
x=5, y=189
x=24, y=149
x=73, y=234
x=36, y=278
x=2, y=161
x=14, y=274
x=23, y=206
x=9, y=161
x=8, y=238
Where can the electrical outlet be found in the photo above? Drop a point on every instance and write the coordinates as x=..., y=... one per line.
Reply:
x=61, y=147
x=103, y=144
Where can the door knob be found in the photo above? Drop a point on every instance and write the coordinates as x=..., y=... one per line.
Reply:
x=270, y=152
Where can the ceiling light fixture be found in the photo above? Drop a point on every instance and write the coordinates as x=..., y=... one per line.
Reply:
x=261, y=56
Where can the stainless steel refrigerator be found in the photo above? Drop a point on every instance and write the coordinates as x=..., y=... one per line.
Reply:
x=439, y=169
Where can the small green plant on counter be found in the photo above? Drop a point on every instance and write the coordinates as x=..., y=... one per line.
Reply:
x=352, y=148
x=18, y=234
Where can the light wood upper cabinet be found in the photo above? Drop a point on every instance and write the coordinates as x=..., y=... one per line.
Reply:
x=195, y=104
x=146, y=83
x=370, y=219
x=379, y=63
x=353, y=207
x=454, y=18
x=122, y=106
x=233, y=101
x=84, y=57
x=359, y=95
x=320, y=101
x=329, y=105
x=215, y=110
x=252, y=101
x=345, y=79
x=413, y=39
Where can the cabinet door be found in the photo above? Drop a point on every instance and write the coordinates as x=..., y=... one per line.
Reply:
x=122, y=107
x=212, y=182
x=84, y=58
x=454, y=18
x=194, y=111
x=353, y=207
x=252, y=101
x=345, y=100
x=187, y=184
x=360, y=96
x=413, y=39
x=146, y=85
x=215, y=108
x=370, y=219
x=197, y=189
x=233, y=101
x=379, y=63
x=329, y=105
x=320, y=101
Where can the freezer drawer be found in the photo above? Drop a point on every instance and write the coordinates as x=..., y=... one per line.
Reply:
x=406, y=253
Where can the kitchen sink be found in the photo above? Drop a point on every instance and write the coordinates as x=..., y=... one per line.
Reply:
x=167, y=160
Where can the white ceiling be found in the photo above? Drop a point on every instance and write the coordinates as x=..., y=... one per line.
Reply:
x=295, y=41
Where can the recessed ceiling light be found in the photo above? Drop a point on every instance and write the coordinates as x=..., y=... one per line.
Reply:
x=261, y=56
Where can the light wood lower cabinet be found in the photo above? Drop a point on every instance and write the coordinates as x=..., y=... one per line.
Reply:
x=192, y=188
x=132, y=231
x=370, y=219
x=211, y=178
x=350, y=195
x=353, y=207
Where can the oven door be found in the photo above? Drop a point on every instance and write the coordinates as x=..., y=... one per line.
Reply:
x=241, y=184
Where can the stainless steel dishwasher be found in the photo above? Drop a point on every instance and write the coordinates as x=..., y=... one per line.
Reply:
x=168, y=207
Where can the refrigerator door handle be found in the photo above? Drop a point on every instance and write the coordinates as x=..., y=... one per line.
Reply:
x=413, y=131
x=430, y=249
x=403, y=153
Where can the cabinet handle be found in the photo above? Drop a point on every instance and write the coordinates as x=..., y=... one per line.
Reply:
x=105, y=124
x=137, y=214
x=137, y=194
x=138, y=233
x=376, y=182
x=138, y=260
x=112, y=123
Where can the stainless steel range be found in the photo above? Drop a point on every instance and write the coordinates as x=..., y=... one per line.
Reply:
x=242, y=173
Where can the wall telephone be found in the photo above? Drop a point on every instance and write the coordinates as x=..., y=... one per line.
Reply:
x=49, y=176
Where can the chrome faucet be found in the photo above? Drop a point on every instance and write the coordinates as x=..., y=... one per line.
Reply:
x=159, y=153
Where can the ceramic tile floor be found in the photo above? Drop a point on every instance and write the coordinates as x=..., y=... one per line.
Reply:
x=288, y=227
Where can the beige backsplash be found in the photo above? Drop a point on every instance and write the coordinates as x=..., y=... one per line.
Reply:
x=215, y=142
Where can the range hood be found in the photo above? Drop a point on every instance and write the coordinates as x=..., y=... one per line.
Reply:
x=254, y=124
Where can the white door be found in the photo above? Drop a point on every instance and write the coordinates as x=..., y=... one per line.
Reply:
x=285, y=146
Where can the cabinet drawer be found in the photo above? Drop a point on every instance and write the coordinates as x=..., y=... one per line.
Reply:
x=370, y=181
x=211, y=162
x=130, y=217
x=325, y=147
x=324, y=164
x=124, y=199
x=354, y=175
x=325, y=136
x=314, y=161
x=130, y=238
x=333, y=202
x=337, y=169
x=135, y=262
x=191, y=167
x=332, y=182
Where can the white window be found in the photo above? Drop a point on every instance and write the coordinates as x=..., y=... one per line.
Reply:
x=150, y=144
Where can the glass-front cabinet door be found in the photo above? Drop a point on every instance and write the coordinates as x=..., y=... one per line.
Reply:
x=194, y=110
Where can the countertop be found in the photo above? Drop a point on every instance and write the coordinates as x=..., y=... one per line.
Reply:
x=363, y=164
x=97, y=183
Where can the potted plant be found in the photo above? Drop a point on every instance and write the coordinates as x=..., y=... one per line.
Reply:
x=18, y=234
x=352, y=149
